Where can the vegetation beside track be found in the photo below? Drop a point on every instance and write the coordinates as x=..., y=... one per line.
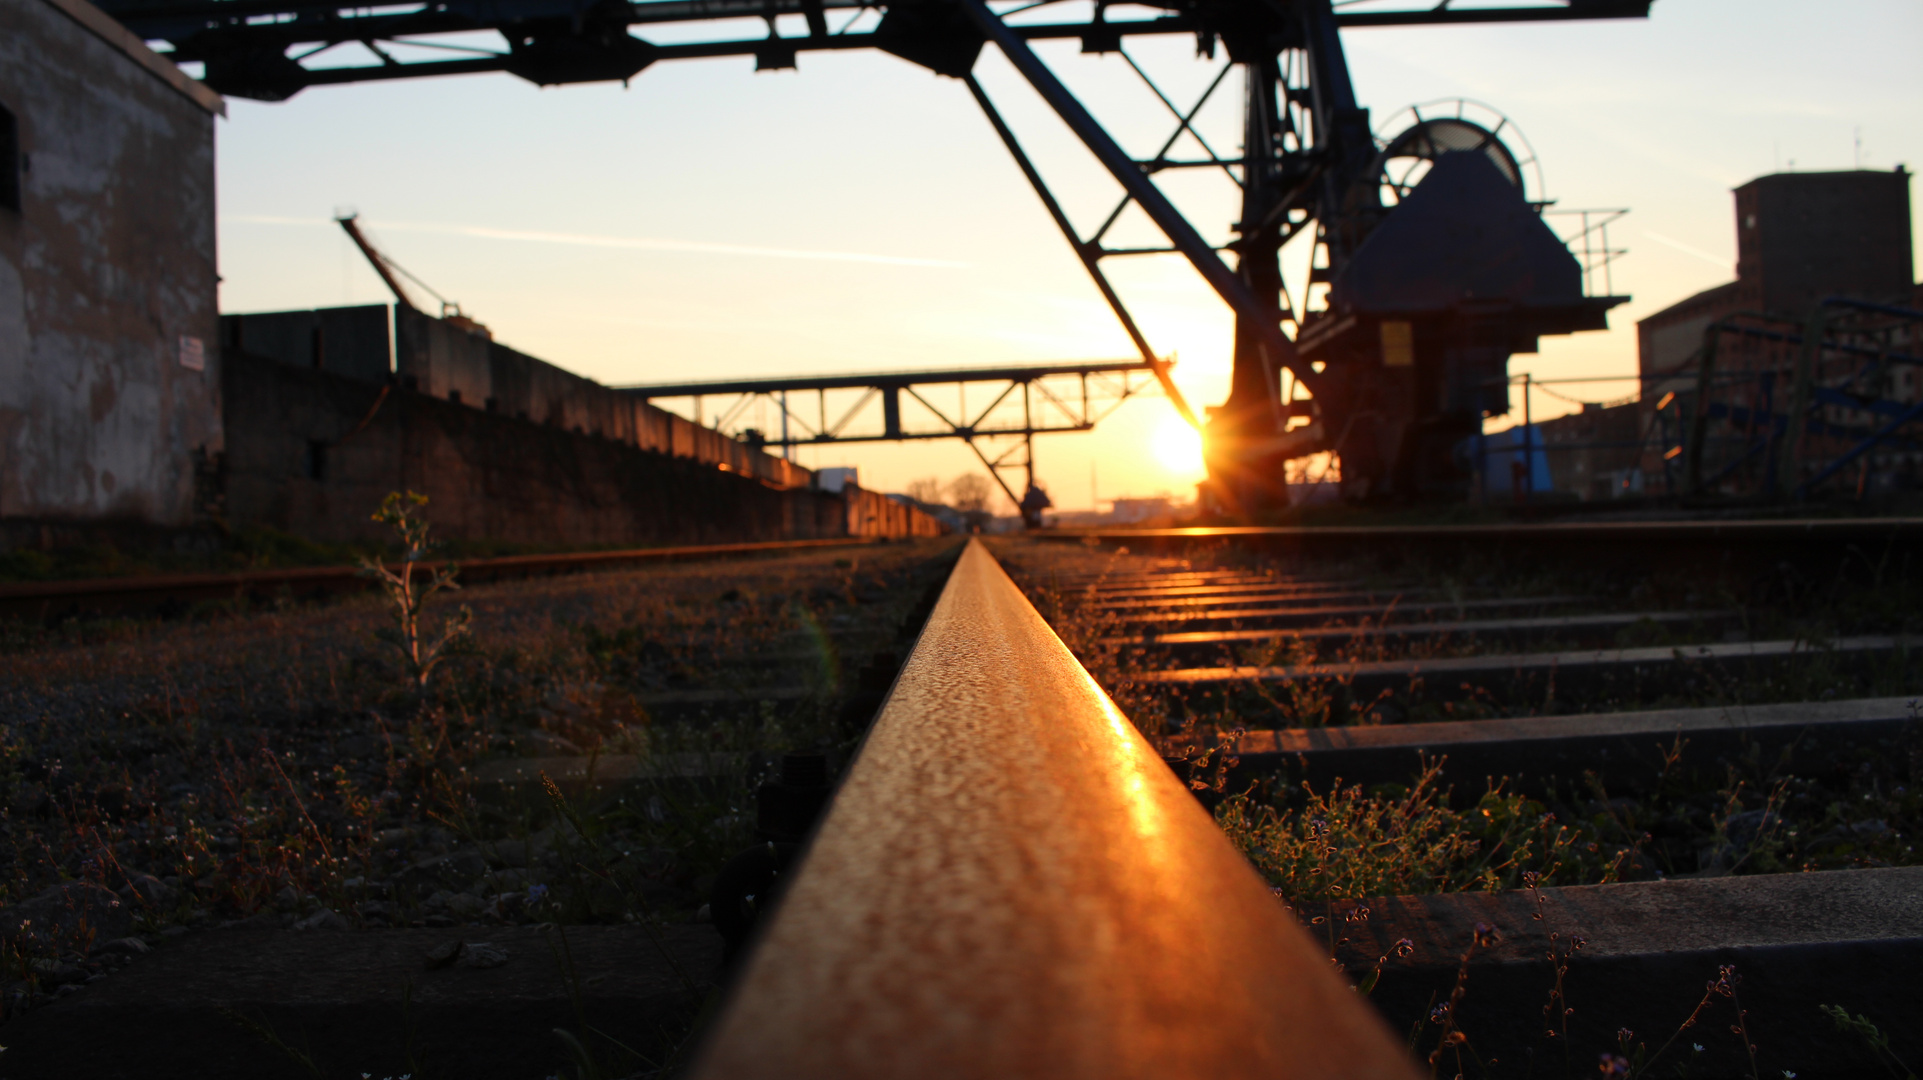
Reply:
x=278, y=764
x=1691, y=815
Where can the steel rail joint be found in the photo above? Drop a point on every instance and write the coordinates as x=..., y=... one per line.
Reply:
x=1010, y=883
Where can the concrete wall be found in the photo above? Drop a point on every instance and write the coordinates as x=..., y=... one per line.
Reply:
x=107, y=275
x=350, y=341
x=445, y=360
x=870, y=513
x=312, y=452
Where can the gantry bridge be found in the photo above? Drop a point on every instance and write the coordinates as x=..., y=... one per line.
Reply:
x=1433, y=262
x=1014, y=405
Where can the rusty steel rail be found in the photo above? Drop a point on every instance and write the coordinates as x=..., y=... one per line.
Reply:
x=1011, y=883
x=1744, y=545
x=1831, y=530
x=46, y=598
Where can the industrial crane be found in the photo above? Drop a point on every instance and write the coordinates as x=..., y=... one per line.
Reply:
x=1432, y=263
x=391, y=272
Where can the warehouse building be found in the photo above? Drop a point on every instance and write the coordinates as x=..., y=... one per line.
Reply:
x=109, y=381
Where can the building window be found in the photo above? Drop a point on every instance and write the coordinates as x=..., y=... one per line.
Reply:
x=9, y=160
x=317, y=461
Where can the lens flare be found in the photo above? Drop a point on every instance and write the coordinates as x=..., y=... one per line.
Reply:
x=1178, y=447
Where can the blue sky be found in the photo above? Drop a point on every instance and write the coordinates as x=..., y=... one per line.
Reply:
x=859, y=213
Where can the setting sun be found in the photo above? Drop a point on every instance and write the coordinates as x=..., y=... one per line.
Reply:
x=1178, y=447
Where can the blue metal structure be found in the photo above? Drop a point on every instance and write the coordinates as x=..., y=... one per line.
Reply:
x=1782, y=413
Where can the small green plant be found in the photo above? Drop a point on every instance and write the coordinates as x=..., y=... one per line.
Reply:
x=407, y=602
x=1872, y=1036
x=259, y=1027
x=1351, y=843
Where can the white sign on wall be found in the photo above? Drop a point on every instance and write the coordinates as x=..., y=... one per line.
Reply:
x=193, y=353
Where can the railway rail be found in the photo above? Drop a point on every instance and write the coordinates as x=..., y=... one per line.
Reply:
x=1007, y=885
x=1738, y=546
x=169, y=592
x=1039, y=858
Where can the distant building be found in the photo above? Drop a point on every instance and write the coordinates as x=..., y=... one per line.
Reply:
x=1130, y=511
x=1801, y=238
x=954, y=519
x=1596, y=453
x=109, y=374
x=837, y=478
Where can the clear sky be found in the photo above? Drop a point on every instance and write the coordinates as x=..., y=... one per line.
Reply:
x=859, y=213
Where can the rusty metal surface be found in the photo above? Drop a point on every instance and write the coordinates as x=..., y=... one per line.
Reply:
x=1302, y=599
x=1317, y=615
x=1553, y=624
x=1486, y=665
x=1010, y=883
x=1603, y=531
x=1280, y=587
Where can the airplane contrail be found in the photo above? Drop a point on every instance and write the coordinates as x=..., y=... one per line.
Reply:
x=1719, y=260
x=635, y=242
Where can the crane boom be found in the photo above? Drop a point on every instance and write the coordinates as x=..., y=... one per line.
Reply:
x=382, y=266
x=392, y=272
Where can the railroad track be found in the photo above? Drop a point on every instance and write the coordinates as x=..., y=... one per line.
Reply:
x=174, y=593
x=194, y=786
x=1005, y=846
x=1048, y=853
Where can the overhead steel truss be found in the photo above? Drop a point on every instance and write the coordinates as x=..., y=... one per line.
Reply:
x=246, y=43
x=1019, y=404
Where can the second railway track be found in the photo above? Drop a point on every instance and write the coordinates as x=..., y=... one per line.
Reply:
x=1693, y=710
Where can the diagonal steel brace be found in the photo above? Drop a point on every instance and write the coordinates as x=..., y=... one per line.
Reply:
x=1226, y=282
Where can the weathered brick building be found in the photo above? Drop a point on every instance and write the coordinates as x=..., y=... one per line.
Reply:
x=1805, y=241
x=1800, y=237
x=109, y=380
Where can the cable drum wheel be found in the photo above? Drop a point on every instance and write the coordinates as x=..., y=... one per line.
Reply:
x=1422, y=133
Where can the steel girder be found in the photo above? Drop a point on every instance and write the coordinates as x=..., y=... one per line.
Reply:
x=1308, y=160
x=1022, y=402
x=246, y=43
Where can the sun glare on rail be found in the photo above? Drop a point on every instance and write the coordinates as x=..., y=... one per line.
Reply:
x=1178, y=447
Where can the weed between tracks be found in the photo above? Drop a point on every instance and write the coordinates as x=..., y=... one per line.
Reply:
x=1745, y=813
x=279, y=766
x=1742, y=816
x=1351, y=843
